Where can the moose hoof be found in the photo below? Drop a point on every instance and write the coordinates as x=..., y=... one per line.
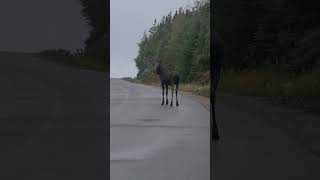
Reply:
x=171, y=104
x=177, y=104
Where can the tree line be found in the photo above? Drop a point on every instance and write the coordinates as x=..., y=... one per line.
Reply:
x=279, y=34
x=94, y=54
x=181, y=41
x=95, y=13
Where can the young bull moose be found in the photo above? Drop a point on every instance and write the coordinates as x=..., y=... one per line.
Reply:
x=168, y=78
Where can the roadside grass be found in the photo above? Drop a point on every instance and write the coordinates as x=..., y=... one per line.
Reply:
x=250, y=83
x=202, y=90
x=133, y=80
x=300, y=92
x=83, y=62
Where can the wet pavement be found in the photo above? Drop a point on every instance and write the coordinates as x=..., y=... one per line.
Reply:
x=253, y=148
x=53, y=120
x=150, y=141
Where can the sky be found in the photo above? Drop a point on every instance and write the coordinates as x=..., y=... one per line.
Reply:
x=128, y=20
x=34, y=25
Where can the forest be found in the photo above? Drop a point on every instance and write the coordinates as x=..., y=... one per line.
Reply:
x=181, y=40
x=271, y=49
x=95, y=13
x=259, y=33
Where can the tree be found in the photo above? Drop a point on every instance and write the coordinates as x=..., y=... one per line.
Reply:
x=95, y=13
x=180, y=41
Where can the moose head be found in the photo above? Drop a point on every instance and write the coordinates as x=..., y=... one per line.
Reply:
x=158, y=67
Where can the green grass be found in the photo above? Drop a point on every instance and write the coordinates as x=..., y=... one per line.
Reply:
x=297, y=92
x=301, y=92
x=202, y=90
x=83, y=62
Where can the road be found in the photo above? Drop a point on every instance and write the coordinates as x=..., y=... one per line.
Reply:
x=53, y=120
x=150, y=141
x=254, y=148
x=54, y=123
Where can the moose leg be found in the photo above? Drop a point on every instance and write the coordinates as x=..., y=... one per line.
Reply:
x=215, y=133
x=162, y=85
x=167, y=102
x=177, y=86
x=172, y=90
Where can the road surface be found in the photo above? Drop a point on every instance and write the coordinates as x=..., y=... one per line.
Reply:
x=253, y=148
x=150, y=141
x=53, y=120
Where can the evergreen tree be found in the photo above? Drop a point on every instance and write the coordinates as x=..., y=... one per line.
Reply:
x=181, y=41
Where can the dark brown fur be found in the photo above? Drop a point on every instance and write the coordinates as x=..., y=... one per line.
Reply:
x=168, y=78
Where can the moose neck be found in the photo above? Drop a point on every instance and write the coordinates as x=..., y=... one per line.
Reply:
x=163, y=73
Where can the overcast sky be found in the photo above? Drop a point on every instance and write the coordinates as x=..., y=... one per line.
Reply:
x=33, y=25
x=128, y=20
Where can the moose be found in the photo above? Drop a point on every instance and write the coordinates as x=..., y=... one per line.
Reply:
x=167, y=78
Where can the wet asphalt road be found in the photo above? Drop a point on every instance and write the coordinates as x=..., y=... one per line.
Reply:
x=150, y=141
x=252, y=148
x=53, y=125
x=53, y=120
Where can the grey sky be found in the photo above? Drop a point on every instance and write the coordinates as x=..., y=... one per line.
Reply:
x=128, y=20
x=33, y=25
